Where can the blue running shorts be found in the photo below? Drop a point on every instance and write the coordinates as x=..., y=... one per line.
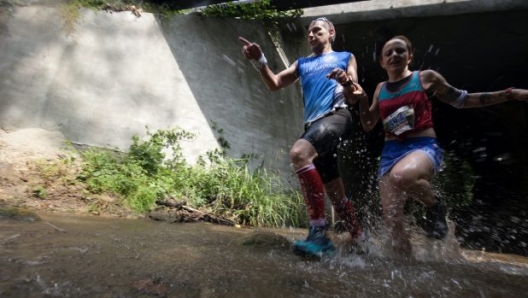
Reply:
x=394, y=151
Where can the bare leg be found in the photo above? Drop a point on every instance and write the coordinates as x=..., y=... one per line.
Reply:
x=413, y=174
x=302, y=154
x=410, y=176
x=393, y=202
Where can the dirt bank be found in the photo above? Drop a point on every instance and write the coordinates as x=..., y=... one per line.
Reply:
x=33, y=176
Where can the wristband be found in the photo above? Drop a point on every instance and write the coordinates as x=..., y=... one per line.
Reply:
x=258, y=64
x=508, y=93
x=459, y=102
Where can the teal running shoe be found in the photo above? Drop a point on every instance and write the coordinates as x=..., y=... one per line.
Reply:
x=317, y=244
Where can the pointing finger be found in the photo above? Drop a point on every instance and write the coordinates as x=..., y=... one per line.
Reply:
x=245, y=41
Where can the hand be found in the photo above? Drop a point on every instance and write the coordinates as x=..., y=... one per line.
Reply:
x=339, y=75
x=519, y=94
x=250, y=50
x=357, y=94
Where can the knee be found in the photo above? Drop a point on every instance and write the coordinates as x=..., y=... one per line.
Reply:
x=298, y=156
x=401, y=179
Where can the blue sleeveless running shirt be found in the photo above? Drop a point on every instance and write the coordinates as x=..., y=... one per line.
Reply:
x=320, y=94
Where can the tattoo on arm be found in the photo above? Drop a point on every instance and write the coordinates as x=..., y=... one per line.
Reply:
x=484, y=98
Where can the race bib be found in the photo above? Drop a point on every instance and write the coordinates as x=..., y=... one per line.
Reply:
x=400, y=121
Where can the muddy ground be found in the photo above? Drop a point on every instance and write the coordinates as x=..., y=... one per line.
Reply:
x=28, y=181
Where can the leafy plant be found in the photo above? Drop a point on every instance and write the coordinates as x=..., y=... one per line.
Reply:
x=71, y=11
x=258, y=10
x=255, y=198
x=40, y=192
x=155, y=169
x=262, y=10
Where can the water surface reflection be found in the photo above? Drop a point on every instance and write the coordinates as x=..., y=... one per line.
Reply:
x=75, y=256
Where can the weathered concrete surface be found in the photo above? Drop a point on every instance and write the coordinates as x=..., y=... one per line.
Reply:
x=115, y=73
x=378, y=10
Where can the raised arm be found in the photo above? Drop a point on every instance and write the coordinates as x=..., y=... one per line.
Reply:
x=435, y=83
x=273, y=81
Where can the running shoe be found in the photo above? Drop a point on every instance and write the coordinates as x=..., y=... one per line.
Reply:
x=435, y=221
x=317, y=244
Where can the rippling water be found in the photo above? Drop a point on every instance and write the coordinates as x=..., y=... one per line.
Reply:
x=75, y=256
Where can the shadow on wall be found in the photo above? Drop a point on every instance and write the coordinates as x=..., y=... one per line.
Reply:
x=109, y=78
x=229, y=91
x=81, y=82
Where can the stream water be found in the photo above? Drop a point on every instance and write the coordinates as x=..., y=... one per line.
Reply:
x=75, y=256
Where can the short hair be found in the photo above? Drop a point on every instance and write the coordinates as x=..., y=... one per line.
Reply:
x=406, y=40
x=329, y=25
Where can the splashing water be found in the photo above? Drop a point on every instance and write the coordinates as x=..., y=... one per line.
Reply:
x=430, y=48
x=136, y=258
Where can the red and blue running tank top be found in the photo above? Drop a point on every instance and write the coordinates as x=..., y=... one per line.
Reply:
x=412, y=94
x=320, y=94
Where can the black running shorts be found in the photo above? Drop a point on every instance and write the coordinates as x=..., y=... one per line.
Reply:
x=325, y=134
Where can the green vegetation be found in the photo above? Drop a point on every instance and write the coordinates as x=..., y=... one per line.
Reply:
x=71, y=11
x=258, y=10
x=155, y=169
x=40, y=192
x=262, y=10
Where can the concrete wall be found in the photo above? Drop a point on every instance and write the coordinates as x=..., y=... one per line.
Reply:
x=384, y=10
x=115, y=73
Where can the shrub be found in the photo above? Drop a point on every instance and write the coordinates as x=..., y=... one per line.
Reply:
x=155, y=169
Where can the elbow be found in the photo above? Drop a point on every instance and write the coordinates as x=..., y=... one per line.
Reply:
x=272, y=85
